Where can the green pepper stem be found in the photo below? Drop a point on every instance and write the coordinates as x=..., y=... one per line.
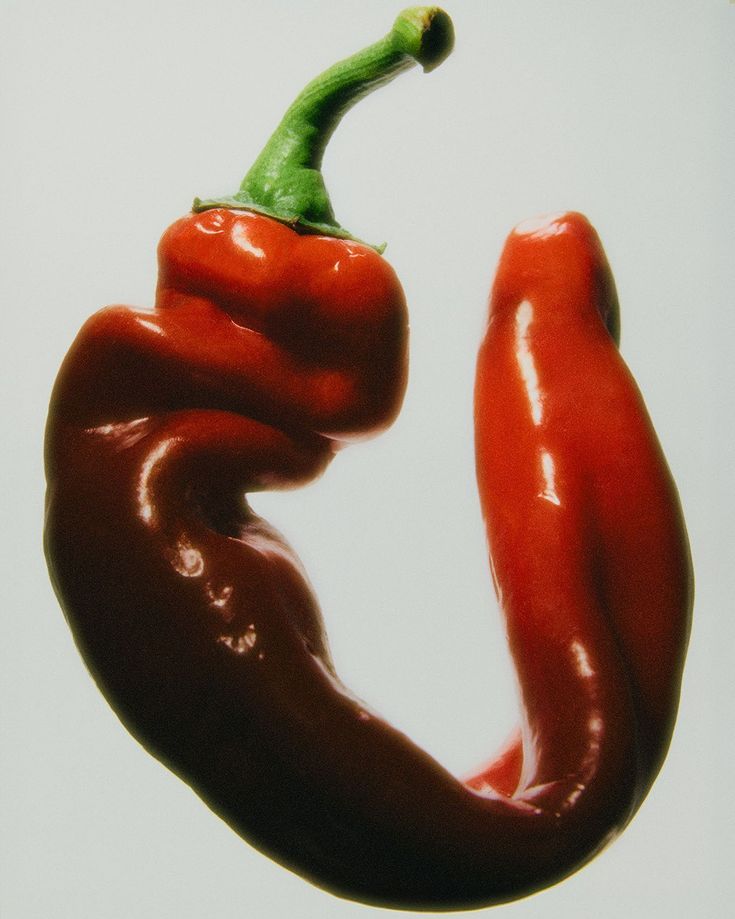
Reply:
x=285, y=182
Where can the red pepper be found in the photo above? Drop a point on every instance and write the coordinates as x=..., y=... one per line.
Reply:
x=587, y=541
x=275, y=340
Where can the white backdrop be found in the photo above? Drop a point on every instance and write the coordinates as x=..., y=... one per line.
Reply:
x=115, y=116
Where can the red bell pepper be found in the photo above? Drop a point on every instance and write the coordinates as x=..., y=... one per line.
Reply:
x=275, y=340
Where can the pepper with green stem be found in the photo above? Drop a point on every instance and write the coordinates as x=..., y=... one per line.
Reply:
x=277, y=339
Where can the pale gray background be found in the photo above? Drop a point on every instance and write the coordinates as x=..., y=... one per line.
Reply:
x=113, y=117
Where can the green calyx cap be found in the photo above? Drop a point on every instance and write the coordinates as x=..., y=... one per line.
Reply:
x=285, y=182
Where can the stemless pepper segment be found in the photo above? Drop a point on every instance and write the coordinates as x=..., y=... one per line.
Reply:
x=266, y=352
x=596, y=538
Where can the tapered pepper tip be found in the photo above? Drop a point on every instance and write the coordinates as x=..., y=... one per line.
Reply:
x=426, y=33
x=562, y=242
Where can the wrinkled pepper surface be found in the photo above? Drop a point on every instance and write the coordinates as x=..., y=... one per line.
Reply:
x=276, y=339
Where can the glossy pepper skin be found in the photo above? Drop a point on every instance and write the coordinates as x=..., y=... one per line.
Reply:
x=266, y=352
x=587, y=541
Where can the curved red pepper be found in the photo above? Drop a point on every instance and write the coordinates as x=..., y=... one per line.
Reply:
x=266, y=351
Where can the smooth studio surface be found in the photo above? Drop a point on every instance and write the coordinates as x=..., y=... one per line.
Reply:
x=118, y=119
